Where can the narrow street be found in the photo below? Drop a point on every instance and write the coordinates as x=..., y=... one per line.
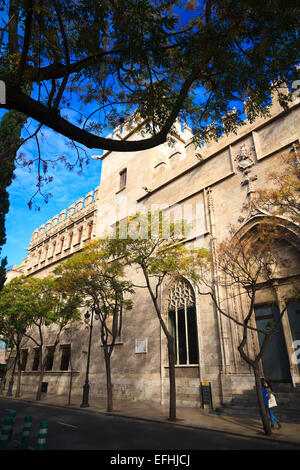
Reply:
x=70, y=429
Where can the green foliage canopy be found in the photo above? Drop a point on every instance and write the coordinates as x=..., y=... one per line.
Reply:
x=98, y=281
x=27, y=301
x=162, y=59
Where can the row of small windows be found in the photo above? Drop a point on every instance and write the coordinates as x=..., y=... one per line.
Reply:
x=182, y=324
x=65, y=355
x=61, y=243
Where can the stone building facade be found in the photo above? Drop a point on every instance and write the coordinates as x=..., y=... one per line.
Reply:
x=211, y=185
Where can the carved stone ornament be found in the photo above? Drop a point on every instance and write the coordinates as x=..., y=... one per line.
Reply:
x=245, y=162
x=244, y=157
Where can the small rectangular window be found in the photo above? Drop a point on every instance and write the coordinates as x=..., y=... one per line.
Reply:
x=24, y=357
x=62, y=243
x=49, y=358
x=80, y=231
x=53, y=248
x=70, y=239
x=65, y=357
x=36, y=359
x=90, y=230
x=123, y=178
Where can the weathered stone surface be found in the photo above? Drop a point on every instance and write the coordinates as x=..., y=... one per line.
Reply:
x=213, y=184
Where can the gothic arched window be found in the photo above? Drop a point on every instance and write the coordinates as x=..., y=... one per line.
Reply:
x=182, y=322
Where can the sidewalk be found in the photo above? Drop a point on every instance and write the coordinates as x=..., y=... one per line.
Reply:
x=188, y=417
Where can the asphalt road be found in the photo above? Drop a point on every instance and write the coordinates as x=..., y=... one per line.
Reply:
x=70, y=429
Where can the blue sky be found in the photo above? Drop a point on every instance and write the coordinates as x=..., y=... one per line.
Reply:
x=67, y=187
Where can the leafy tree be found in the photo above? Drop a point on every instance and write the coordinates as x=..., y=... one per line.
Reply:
x=83, y=67
x=153, y=244
x=162, y=60
x=281, y=199
x=3, y=272
x=27, y=305
x=51, y=308
x=151, y=56
x=245, y=265
x=101, y=284
x=13, y=323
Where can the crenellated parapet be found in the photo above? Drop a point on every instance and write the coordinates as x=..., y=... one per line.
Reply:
x=72, y=214
x=185, y=152
x=63, y=234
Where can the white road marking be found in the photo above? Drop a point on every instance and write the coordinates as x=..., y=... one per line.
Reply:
x=66, y=424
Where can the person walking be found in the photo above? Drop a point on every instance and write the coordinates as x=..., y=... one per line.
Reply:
x=270, y=402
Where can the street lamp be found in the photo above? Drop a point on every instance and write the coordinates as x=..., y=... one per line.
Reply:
x=86, y=386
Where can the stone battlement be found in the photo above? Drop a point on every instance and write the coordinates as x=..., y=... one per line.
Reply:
x=65, y=217
x=131, y=126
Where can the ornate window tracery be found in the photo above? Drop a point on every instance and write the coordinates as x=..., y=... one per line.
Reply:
x=182, y=322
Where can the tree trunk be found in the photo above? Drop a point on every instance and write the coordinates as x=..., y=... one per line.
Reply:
x=71, y=380
x=109, y=394
x=11, y=382
x=262, y=409
x=171, y=353
x=18, y=390
x=172, y=381
x=5, y=377
x=42, y=369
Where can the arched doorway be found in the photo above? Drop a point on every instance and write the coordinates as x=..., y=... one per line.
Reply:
x=293, y=310
x=182, y=322
x=275, y=359
x=275, y=301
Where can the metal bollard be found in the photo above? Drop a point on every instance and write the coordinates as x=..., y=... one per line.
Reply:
x=26, y=432
x=6, y=433
x=12, y=414
x=41, y=444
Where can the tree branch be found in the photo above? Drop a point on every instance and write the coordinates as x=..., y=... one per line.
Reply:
x=27, y=37
x=13, y=27
x=30, y=107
